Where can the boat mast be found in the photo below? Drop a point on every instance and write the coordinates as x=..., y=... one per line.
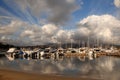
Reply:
x=79, y=43
x=71, y=41
x=112, y=43
x=88, y=42
x=83, y=44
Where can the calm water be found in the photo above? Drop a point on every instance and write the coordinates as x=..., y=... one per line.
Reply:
x=107, y=68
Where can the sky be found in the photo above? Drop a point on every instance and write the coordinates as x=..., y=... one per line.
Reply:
x=39, y=22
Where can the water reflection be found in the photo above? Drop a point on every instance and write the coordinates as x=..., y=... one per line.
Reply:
x=106, y=68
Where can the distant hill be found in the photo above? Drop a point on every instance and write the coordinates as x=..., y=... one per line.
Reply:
x=68, y=45
x=5, y=46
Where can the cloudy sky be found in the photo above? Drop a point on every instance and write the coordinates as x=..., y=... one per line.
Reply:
x=37, y=22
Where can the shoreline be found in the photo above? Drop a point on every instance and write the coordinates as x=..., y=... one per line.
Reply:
x=6, y=74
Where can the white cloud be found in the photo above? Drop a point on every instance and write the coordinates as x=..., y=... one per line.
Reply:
x=49, y=29
x=117, y=3
x=21, y=33
x=63, y=36
x=104, y=27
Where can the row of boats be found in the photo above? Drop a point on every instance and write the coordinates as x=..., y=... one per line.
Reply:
x=38, y=53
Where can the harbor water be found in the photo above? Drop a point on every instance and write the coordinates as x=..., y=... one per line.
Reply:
x=105, y=67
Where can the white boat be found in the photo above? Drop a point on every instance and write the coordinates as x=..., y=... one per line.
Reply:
x=11, y=50
x=11, y=54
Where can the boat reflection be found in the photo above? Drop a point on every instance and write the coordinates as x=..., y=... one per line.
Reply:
x=56, y=56
x=13, y=56
x=106, y=68
x=81, y=58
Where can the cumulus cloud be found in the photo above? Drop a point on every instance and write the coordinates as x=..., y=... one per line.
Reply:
x=10, y=32
x=22, y=33
x=104, y=27
x=117, y=3
x=63, y=36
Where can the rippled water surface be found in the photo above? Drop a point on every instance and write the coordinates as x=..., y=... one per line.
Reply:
x=107, y=68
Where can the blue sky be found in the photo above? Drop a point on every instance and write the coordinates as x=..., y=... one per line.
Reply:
x=95, y=7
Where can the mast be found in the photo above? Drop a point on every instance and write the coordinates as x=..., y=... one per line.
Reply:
x=98, y=42
x=88, y=42
x=60, y=44
x=112, y=43
x=83, y=44
x=66, y=45
x=71, y=43
x=79, y=43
